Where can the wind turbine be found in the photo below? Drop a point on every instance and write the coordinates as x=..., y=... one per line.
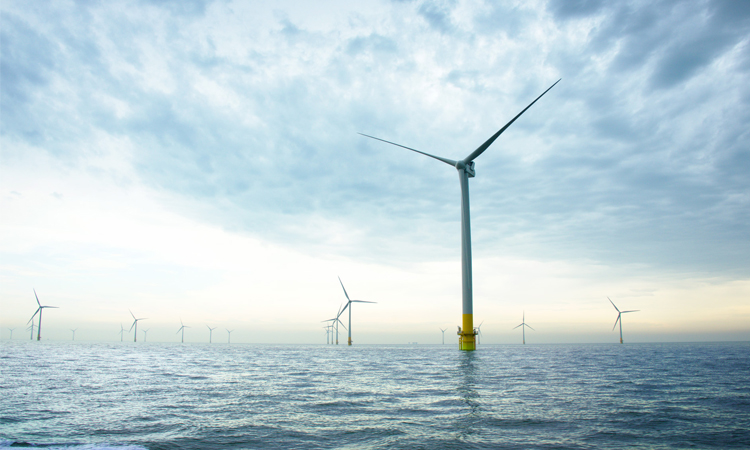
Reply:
x=145, y=334
x=39, y=310
x=229, y=338
x=465, y=169
x=328, y=334
x=336, y=321
x=11, y=333
x=478, y=332
x=523, y=325
x=443, y=334
x=348, y=305
x=210, y=334
x=122, y=331
x=619, y=315
x=135, y=324
x=32, y=329
x=182, y=328
x=74, y=333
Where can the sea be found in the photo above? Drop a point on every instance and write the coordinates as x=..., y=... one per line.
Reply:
x=128, y=396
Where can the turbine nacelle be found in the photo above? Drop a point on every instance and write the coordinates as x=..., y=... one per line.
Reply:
x=467, y=167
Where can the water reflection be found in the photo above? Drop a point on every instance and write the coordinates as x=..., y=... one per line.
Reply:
x=467, y=375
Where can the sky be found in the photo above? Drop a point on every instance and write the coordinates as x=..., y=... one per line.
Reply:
x=200, y=162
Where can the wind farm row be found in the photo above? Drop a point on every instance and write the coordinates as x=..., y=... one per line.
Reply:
x=331, y=327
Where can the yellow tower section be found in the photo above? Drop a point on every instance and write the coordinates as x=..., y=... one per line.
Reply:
x=466, y=339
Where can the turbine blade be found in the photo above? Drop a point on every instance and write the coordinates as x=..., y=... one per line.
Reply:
x=445, y=160
x=131, y=313
x=489, y=141
x=342, y=287
x=613, y=303
x=529, y=327
x=634, y=310
x=517, y=326
x=131, y=326
x=618, y=319
x=32, y=316
x=37, y=298
x=361, y=301
x=344, y=309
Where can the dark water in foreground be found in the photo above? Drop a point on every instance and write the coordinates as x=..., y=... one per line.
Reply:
x=164, y=396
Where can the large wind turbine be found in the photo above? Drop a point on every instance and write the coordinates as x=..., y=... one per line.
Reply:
x=523, y=326
x=135, y=324
x=229, y=335
x=210, y=334
x=74, y=334
x=39, y=310
x=348, y=305
x=465, y=169
x=443, y=334
x=619, y=317
x=182, y=328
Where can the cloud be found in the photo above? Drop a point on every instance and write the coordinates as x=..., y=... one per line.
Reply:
x=637, y=156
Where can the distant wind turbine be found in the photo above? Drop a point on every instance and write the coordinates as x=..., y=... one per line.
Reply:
x=523, y=326
x=619, y=317
x=11, y=333
x=478, y=333
x=135, y=324
x=74, y=333
x=229, y=335
x=182, y=328
x=122, y=332
x=32, y=329
x=335, y=322
x=145, y=334
x=349, y=305
x=443, y=334
x=39, y=310
x=465, y=169
x=210, y=334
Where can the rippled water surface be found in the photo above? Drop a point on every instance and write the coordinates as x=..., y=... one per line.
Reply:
x=164, y=396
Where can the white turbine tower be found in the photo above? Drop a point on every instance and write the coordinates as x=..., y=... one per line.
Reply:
x=619, y=317
x=182, y=328
x=523, y=326
x=348, y=305
x=122, y=332
x=210, y=334
x=443, y=334
x=465, y=169
x=229, y=335
x=39, y=311
x=74, y=333
x=145, y=334
x=135, y=324
x=11, y=333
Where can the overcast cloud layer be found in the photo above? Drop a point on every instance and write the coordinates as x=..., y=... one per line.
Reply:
x=245, y=116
